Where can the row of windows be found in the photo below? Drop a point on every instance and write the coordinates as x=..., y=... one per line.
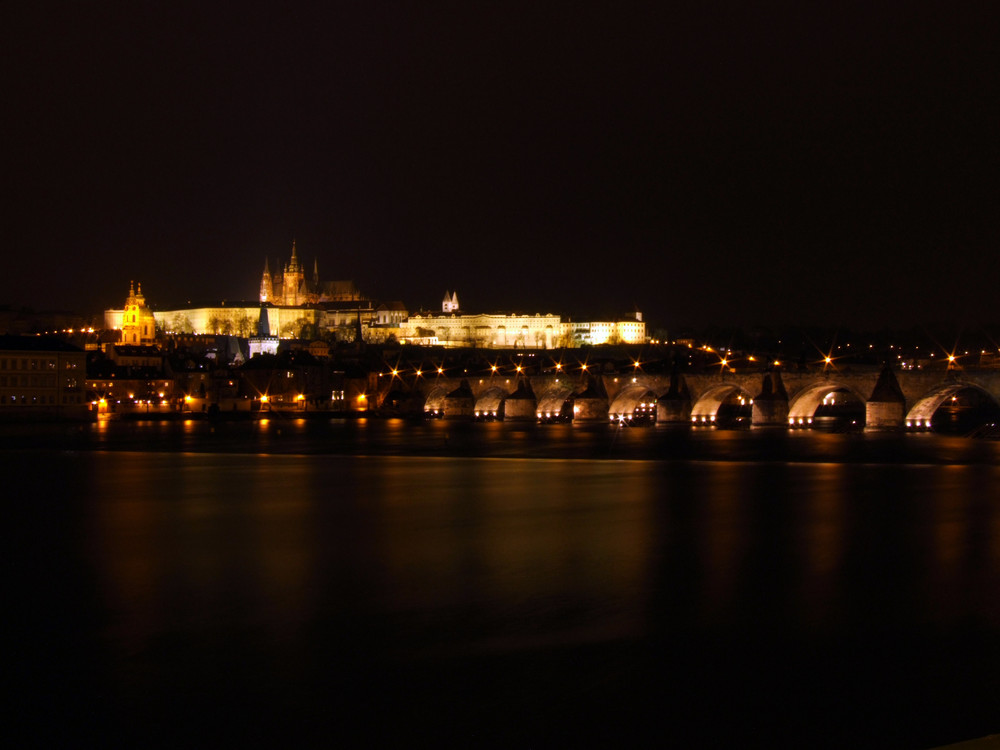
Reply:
x=166, y=384
x=34, y=381
x=44, y=400
x=24, y=363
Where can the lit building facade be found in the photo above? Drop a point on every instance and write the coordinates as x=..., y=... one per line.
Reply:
x=516, y=331
x=41, y=375
x=137, y=323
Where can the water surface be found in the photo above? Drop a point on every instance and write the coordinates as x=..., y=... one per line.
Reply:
x=231, y=583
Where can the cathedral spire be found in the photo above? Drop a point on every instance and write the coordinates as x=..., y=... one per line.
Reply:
x=266, y=283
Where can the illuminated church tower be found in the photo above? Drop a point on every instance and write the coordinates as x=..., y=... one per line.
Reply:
x=266, y=285
x=293, y=281
x=138, y=323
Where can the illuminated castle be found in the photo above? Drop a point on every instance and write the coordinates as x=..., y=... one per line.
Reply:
x=292, y=288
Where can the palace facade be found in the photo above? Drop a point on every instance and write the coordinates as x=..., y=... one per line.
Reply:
x=453, y=328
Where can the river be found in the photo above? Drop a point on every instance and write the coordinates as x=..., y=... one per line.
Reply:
x=321, y=583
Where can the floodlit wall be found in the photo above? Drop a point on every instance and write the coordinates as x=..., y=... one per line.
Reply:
x=519, y=331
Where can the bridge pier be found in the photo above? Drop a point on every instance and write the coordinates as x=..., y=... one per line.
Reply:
x=675, y=405
x=592, y=404
x=521, y=405
x=886, y=408
x=770, y=407
x=460, y=403
x=673, y=410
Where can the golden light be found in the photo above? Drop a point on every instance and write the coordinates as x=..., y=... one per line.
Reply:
x=264, y=399
x=519, y=368
x=558, y=366
x=828, y=360
x=419, y=373
x=395, y=373
x=440, y=371
x=493, y=368
x=724, y=362
x=362, y=397
x=188, y=399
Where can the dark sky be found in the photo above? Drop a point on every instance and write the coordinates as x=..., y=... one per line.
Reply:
x=727, y=164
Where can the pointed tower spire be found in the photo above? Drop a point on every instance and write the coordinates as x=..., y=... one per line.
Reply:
x=266, y=284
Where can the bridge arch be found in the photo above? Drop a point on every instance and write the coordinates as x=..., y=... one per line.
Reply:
x=923, y=410
x=434, y=403
x=630, y=399
x=706, y=409
x=805, y=403
x=555, y=403
x=489, y=404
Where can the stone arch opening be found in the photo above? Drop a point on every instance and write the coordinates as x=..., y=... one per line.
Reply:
x=634, y=404
x=956, y=408
x=434, y=403
x=724, y=405
x=556, y=404
x=828, y=406
x=489, y=404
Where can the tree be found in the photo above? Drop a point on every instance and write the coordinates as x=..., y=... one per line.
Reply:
x=244, y=325
x=180, y=323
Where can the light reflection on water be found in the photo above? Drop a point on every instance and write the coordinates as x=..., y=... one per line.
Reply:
x=685, y=594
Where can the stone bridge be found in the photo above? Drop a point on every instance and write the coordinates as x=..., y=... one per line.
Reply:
x=890, y=398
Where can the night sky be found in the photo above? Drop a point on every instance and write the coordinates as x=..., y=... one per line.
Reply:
x=729, y=165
